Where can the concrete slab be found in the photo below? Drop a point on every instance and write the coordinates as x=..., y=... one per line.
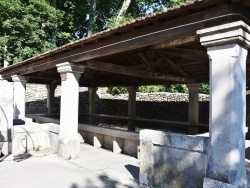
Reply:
x=94, y=168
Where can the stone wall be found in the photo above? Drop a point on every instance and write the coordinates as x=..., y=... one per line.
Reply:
x=162, y=105
x=172, y=160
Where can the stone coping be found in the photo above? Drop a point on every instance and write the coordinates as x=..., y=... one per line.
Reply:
x=54, y=127
x=174, y=140
x=30, y=128
x=40, y=117
x=110, y=131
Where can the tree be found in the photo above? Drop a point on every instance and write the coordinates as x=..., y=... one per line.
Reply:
x=27, y=29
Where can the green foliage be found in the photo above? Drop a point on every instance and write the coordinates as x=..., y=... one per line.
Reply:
x=173, y=88
x=205, y=88
x=151, y=89
x=27, y=29
x=117, y=90
x=176, y=88
x=112, y=22
x=175, y=2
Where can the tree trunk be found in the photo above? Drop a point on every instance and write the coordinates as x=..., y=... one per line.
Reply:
x=91, y=17
x=124, y=9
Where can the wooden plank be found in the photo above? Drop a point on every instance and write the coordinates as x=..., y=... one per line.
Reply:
x=175, y=42
x=117, y=69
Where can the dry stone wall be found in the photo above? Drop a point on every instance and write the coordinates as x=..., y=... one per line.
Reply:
x=161, y=105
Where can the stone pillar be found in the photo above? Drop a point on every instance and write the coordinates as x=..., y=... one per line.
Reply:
x=227, y=49
x=6, y=116
x=68, y=141
x=92, y=94
x=132, y=106
x=50, y=98
x=19, y=96
x=193, y=107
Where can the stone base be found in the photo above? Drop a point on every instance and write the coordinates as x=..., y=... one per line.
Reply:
x=208, y=183
x=5, y=148
x=68, y=148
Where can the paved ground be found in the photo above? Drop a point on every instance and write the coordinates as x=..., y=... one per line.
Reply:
x=94, y=168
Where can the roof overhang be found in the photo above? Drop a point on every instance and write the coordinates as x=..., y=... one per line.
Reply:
x=159, y=49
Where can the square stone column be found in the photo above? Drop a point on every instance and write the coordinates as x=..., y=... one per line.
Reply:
x=193, y=107
x=92, y=94
x=68, y=141
x=227, y=49
x=6, y=116
x=132, y=106
x=19, y=96
x=50, y=98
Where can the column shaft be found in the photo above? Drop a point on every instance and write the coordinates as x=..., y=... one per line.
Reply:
x=50, y=98
x=92, y=101
x=132, y=106
x=227, y=114
x=68, y=142
x=19, y=96
x=193, y=107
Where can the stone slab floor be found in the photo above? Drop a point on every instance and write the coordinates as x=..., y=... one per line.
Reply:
x=95, y=168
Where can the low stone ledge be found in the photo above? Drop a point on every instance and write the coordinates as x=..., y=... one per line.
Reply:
x=109, y=131
x=40, y=118
x=186, y=142
x=31, y=128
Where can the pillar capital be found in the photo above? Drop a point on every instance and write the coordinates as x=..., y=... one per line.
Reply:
x=69, y=70
x=69, y=67
x=18, y=78
x=232, y=33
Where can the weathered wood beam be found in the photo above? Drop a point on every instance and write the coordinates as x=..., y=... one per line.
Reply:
x=144, y=60
x=193, y=55
x=117, y=69
x=171, y=64
x=175, y=42
x=190, y=52
x=193, y=62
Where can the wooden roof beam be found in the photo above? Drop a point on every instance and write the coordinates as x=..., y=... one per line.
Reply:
x=175, y=42
x=175, y=67
x=117, y=69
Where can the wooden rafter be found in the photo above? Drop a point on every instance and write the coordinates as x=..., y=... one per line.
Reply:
x=175, y=67
x=117, y=69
